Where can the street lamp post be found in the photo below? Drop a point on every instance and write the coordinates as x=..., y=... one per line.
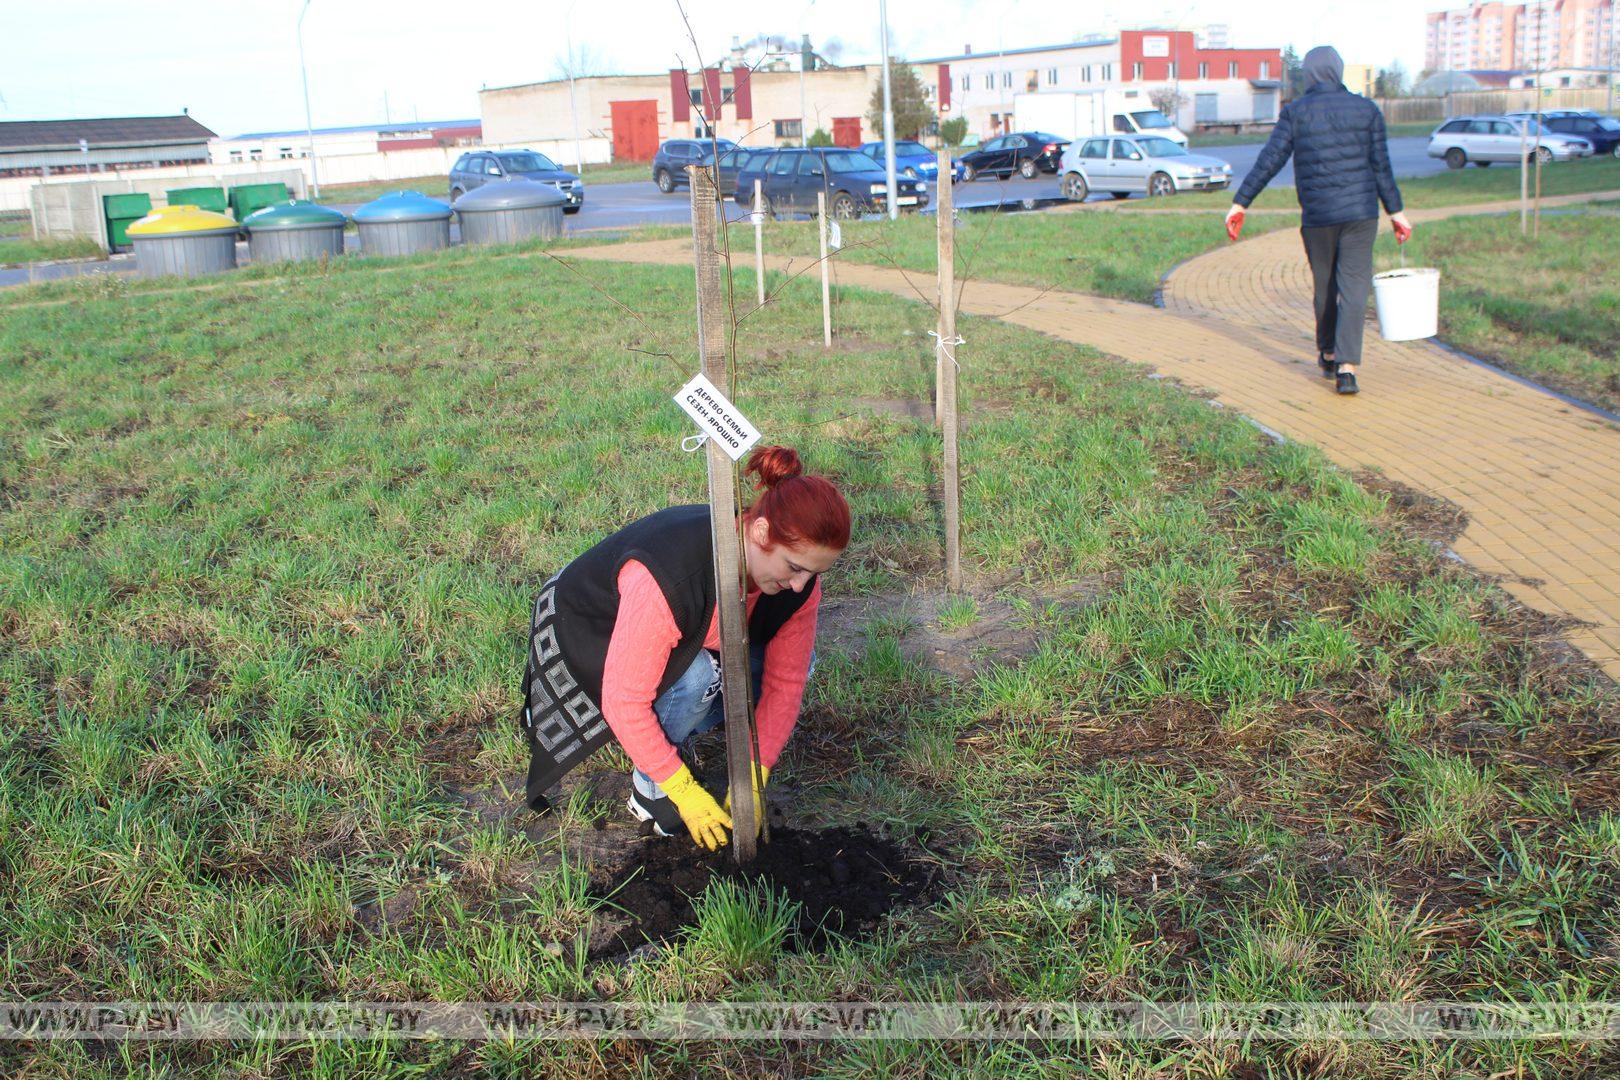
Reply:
x=573, y=108
x=888, y=113
x=309, y=123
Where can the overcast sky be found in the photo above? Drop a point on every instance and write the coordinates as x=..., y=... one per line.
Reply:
x=236, y=68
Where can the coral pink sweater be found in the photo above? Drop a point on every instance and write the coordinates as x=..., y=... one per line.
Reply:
x=644, y=634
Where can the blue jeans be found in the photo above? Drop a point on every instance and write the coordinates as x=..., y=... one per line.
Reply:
x=694, y=704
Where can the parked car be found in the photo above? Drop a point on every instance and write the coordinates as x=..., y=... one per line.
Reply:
x=670, y=162
x=1603, y=132
x=1150, y=164
x=1487, y=139
x=479, y=167
x=855, y=184
x=910, y=158
x=1023, y=152
x=731, y=166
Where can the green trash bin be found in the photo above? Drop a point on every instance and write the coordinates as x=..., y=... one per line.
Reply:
x=246, y=198
x=203, y=198
x=121, y=212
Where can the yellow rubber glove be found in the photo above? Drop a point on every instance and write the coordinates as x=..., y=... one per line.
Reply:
x=703, y=816
x=760, y=777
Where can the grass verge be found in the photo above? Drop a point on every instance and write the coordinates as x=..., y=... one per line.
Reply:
x=25, y=250
x=1083, y=251
x=1547, y=308
x=1394, y=131
x=1449, y=188
x=269, y=550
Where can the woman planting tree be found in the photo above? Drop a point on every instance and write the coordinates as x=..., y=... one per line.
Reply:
x=624, y=642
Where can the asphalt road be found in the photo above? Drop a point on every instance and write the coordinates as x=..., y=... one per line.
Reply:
x=620, y=206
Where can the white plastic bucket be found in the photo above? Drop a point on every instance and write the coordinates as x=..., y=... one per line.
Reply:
x=1408, y=303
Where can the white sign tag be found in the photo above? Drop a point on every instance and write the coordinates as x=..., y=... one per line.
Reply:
x=716, y=417
x=835, y=236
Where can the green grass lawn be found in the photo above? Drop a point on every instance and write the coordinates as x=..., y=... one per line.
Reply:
x=1472, y=185
x=1084, y=251
x=16, y=226
x=268, y=548
x=25, y=250
x=1394, y=131
x=1547, y=308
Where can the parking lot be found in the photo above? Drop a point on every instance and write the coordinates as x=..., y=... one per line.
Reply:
x=630, y=204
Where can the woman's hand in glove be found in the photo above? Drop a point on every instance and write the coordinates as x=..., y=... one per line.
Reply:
x=703, y=816
x=760, y=776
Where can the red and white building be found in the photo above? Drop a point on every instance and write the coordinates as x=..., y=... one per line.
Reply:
x=1219, y=86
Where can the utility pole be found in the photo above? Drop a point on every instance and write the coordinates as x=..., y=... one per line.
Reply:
x=888, y=114
x=804, y=60
x=309, y=123
x=573, y=107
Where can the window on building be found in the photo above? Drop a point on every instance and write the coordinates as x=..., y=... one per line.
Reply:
x=1085, y=73
x=1006, y=79
x=1231, y=70
x=256, y=154
x=696, y=95
x=789, y=129
x=1265, y=69
x=990, y=82
x=965, y=80
x=1108, y=73
x=1203, y=71
x=1136, y=70
x=1032, y=81
x=1172, y=74
x=1051, y=76
x=236, y=155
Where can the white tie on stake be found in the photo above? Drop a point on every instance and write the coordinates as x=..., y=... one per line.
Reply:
x=717, y=418
x=835, y=236
x=945, y=346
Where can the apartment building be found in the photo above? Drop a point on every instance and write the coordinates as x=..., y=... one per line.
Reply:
x=1538, y=34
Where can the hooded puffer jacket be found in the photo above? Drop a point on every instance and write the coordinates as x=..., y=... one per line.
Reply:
x=1341, y=157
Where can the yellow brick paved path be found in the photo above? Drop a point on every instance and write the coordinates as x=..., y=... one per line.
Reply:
x=1538, y=478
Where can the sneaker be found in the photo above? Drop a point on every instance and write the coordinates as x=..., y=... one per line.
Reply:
x=1346, y=383
x=1329, y=367
x=666, y=820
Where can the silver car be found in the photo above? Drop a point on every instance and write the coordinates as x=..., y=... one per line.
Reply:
x=1147, y=163
x=1486, y=139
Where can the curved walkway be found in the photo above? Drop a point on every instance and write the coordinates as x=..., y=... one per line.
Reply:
x=1538, y=477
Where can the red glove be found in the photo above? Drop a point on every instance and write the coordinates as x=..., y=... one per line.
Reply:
x=1234, y=222
x=1403, y=231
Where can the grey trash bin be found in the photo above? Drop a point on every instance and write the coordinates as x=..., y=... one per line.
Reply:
x=403, y=223
x=502, y=213
x=295, y=232
x=183, y=241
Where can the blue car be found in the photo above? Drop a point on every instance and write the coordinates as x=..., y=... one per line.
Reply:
x=852, y=183
x=911, y=158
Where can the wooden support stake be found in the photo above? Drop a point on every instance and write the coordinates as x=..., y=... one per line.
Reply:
x=826, y=293
x=1524, y=182
x=730, y=576
x=759, y=239
x=946, y=352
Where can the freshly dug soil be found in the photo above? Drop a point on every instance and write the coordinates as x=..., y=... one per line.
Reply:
x=846, y=879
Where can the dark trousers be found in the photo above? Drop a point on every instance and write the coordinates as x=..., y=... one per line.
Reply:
x=1341, y=266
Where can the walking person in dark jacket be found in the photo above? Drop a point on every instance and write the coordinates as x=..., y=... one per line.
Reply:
x=1342, y=173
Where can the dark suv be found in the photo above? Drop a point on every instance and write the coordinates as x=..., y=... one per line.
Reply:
x=854, y=183
x=669, y=164
x=480, y=167
x=1603, y=132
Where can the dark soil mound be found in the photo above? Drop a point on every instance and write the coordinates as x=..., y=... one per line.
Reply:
x=846, y=880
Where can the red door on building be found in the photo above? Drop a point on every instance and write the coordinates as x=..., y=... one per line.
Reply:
x=635, y=130
x=846, y=131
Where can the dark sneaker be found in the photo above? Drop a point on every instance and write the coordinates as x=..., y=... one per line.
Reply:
x=666, y=820
x=1347, y=383
x=1329, y=367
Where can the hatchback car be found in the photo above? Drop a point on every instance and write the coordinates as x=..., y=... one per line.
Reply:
x=1603, y=132
x=1023, y=152
x=911, y=158
x=670, y=162
x=480, y=167
x=1150, y=164
x=732, y=165
x=854, y=183
x=1487, y=139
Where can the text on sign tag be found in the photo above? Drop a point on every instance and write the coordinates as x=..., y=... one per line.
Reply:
x=716, y=417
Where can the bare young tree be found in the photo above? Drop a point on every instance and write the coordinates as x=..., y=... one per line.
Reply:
x=1167, y=99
